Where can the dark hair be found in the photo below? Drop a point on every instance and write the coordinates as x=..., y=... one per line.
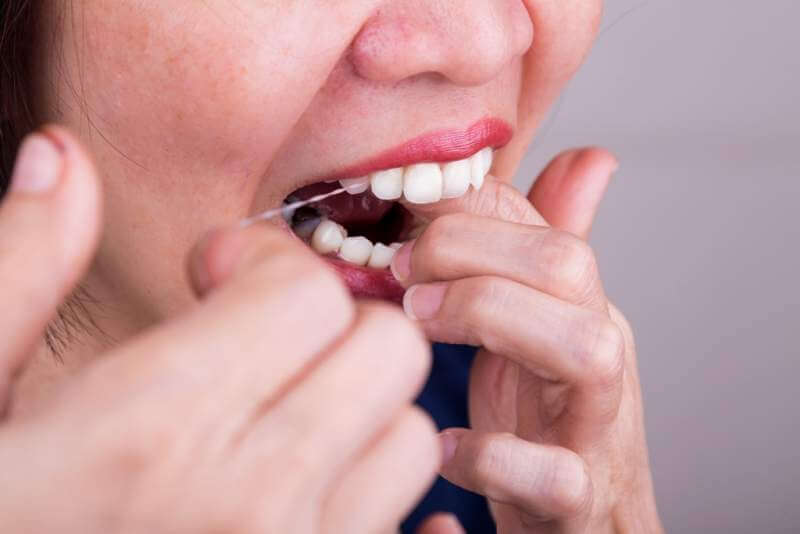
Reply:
x=16, y=47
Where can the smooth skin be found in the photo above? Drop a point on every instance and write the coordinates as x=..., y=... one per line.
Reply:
x=190, y=133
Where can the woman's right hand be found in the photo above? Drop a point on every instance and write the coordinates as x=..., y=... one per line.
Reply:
x=276, y=405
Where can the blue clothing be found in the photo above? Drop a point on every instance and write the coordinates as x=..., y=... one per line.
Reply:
x=445, y=399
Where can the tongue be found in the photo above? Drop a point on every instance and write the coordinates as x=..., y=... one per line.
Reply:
x=345, y=208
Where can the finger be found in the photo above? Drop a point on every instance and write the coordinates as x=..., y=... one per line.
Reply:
x=387, y=481
x=495, y=199
x=441, y=524
x=272, y=311
x=544, y=482
x=555, y=340
x=461, y=246
x=569, y=190
x=49, y=222
x=351, y=395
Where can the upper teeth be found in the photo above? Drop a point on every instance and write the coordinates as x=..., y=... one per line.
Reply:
x=422, y=183
x=355, y=186
x=387, y=185
x=453, y=183
x=425, y=183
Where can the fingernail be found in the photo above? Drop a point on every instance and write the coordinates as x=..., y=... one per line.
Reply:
x=449, y=441
x=38, y=167
x=422, y=302
x=401, y=263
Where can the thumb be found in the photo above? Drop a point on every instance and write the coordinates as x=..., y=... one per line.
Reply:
x=49, y=226
x=569, y=190
x=441, y=524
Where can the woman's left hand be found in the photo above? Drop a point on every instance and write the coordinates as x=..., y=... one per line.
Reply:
x=557, y=441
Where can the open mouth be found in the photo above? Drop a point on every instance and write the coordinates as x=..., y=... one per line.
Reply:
x=360, y=231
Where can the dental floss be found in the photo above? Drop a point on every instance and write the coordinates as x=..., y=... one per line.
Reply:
x=287, y=211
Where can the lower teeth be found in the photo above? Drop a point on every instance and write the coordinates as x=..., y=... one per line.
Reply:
x=328, y=237
x=374, y=243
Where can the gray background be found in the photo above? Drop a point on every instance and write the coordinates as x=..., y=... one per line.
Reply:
x=698, y=242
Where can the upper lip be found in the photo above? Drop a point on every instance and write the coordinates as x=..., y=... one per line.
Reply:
x=440, y=146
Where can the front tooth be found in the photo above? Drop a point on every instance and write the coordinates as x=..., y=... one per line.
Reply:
x=488, y=158
x=328, y=237
x=422, y=183
x=381, y=256
x=480, y=164
x=356, y=250
x=355, y=186
x=456, y=177
x=387, y=185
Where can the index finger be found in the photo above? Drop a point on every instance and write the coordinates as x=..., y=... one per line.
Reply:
x=566, y=195
x=495, y=199
x=279, y=308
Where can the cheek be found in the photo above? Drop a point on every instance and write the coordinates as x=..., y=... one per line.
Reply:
x=159, y=90
x=565, y=30
x=194, y=88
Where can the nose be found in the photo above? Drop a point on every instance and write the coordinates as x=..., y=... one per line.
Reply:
x=466, y=41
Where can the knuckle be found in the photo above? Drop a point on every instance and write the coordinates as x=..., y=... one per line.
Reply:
x=570, y=265
x=604, y=352
x=482, y=296
x=503, y=201
x=624, y=325
x=488, y=458
x=437, y=239
x=569, y=486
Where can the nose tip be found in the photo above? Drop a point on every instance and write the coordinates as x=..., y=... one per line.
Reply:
x=467, y=42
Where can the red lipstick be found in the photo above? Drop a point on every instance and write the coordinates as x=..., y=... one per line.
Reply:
x=440, y=147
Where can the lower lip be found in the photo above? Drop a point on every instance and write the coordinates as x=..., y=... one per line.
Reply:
x=363, y=282
x=366, y=283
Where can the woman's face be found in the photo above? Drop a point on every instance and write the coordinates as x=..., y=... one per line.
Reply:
x=200, y=113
